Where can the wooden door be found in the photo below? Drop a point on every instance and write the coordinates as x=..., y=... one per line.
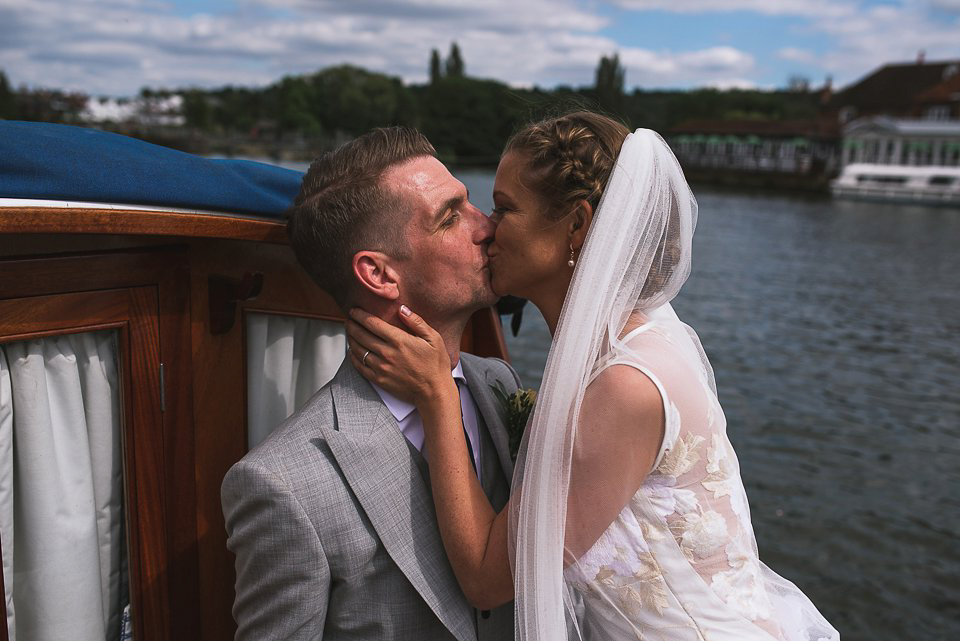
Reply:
x=137, y=296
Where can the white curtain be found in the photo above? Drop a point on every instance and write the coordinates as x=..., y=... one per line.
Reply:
x=288, y=359
x=61, y=490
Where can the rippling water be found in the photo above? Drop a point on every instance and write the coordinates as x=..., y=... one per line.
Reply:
x=833, y=331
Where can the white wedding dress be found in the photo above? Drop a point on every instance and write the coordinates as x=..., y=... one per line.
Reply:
x=680, y=561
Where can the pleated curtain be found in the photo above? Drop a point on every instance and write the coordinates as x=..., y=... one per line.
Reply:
x=61, y=488
x=288, y=359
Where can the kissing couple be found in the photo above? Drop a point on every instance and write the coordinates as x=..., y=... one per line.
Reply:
x=384, y=508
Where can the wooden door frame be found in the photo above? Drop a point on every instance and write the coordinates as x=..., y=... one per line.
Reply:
x=161, y=507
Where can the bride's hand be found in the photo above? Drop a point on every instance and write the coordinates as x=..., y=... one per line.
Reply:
x=411, y=365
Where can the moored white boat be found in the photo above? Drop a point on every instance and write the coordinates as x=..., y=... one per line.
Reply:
x=927, y=184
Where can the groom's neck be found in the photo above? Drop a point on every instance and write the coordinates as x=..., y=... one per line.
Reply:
x=450, y=329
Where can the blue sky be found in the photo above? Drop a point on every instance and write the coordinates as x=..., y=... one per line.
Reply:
x=114, y=47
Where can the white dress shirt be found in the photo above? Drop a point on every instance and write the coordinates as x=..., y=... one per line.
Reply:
x=411, y=425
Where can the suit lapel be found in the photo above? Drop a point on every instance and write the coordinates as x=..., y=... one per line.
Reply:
x=377, y=463
x=479, y=382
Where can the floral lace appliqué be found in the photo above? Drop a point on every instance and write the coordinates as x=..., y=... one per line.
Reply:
x=681, y=458
x=741, y=587
x=621, y=567
x=702, y=533
x=644, y=589
x=722, y=478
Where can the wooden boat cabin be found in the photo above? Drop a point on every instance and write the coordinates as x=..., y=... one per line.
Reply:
x=154, y=326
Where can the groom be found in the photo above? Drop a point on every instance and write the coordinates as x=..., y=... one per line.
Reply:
x=331, y=518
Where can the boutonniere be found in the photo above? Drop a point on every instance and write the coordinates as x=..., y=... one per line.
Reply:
x=517, y=407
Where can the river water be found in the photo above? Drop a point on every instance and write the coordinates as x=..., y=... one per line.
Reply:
x=834, y=332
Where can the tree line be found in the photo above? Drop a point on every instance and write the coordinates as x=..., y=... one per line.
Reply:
x=468, y=119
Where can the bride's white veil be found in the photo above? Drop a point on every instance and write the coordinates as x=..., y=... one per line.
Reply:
x=635, y=258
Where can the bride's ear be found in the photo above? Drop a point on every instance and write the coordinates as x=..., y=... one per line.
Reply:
x=376, y=275
x=580, y=219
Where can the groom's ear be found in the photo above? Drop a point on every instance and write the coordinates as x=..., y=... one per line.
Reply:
x=376, y=275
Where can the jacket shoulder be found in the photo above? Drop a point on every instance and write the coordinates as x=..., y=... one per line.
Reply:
x=495, y=367
x=299, y=433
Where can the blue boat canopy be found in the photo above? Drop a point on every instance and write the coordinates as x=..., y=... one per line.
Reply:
x=58, y=162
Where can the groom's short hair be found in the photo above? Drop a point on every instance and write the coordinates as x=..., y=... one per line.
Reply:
x=343, y=207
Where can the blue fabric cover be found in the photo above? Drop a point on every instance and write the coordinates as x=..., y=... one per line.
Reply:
x=60, y=162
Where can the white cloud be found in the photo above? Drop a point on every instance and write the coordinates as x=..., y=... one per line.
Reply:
x=115, y=47
x=765, y=7
x=946, y=5
x=794, y=54
x=732, y=83
x=884, y=34
x=859, y=35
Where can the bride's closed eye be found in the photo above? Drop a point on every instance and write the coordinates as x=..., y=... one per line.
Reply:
x=497, y=213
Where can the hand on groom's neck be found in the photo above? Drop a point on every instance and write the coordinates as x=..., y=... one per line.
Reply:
x=450, y=328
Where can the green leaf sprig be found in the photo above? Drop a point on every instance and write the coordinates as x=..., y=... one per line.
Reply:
x=517, y=406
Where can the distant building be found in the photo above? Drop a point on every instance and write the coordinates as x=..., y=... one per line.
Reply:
x=882, y=140
x=942, y=101
x=905, y=114
x=793, y=153
x=919, y=90
x=153, y=110
x=913, y=160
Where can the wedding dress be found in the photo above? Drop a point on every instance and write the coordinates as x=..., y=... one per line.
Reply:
x=679, y=562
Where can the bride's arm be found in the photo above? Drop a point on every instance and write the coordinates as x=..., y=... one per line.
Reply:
x=620, y=431
x=416, y=367
x=474, y=536
x=621, y=428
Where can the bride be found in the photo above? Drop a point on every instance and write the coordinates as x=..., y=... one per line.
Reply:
x=628, y=518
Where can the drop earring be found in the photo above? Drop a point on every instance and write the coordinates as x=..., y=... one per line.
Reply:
x=572, y=261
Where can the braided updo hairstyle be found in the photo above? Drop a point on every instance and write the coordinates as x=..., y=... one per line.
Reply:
x=570, y=158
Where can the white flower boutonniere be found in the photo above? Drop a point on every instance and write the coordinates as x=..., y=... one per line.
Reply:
x=517, y=407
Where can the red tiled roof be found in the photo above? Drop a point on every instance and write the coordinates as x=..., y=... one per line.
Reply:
x=946, y=91
x=893, y=88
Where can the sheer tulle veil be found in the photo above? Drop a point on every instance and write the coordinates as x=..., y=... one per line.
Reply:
x=635, y=258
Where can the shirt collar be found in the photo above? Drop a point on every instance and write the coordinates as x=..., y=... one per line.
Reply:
x=400, y=408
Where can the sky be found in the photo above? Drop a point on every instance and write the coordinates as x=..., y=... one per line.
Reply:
x=115, y=47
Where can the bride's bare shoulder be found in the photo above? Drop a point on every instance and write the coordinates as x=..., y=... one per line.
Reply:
x=623, y=392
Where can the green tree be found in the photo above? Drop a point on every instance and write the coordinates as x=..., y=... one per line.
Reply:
x=609, y=84
x=8, y=99
x=298, y=108
x=468, y=120
x=353, y=100
x=196, y=109
x=455, y=67
x=435, y=72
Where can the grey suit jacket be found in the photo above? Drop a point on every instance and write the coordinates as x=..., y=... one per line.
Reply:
x=332, y=522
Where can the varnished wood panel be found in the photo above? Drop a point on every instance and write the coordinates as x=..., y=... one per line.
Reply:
x=179, y=446
x=82, y=220
x=220, y=391
x=144, y=469
x=41, y=275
